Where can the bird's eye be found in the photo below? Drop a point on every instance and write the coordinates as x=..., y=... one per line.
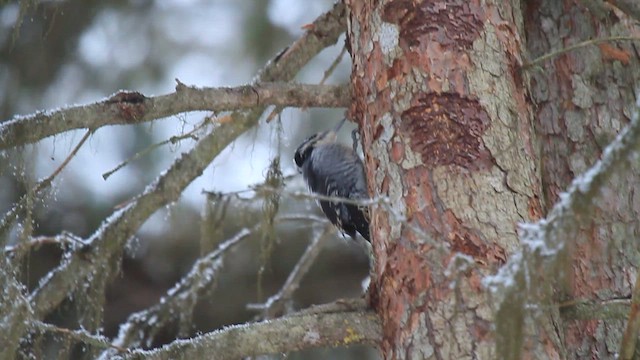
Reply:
x=297, y=158
x=304, y=150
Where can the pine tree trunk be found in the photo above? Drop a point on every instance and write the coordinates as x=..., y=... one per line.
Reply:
x=584, y=98
x=456, y=143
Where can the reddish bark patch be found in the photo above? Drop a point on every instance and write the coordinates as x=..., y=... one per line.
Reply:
x=405, y=277
x=397, y=152
x=451, y=23
x=420, y=192
x=130, y=105
x=610, y=52
x=446, y=129
x=465, y=241
x=443, y=223
x=535, y=208
x=481, y=329
x=397, y=70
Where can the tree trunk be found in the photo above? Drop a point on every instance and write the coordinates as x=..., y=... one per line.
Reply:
x=447, y=114
x=584, y=98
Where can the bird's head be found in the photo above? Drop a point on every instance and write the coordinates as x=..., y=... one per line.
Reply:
x=306, y=147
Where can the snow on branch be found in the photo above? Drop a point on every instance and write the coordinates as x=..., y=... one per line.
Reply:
x=291, y=333
x=179, y=301
x=125, y=108
x=15, y=312
x=542, y=241
x=276, y=304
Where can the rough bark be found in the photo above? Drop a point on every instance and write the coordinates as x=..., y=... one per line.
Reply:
x=446, y=116
x=126, y=108
x=585, y=97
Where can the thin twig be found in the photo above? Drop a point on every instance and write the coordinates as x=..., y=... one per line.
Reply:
x=598, y=309
x=278, y=109
x=579, y=45
x=276, y=303
x=631, y=332
x=302, y=217
x=140, y=326
x=59, y=240
x=172, y=140
x=333, y=65
x=379, y=201
x=338, y=306
x=11, y=215
x=81, y=336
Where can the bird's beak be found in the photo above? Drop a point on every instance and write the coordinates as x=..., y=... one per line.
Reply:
x=339, y=125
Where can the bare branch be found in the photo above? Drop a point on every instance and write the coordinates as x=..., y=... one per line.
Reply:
x=292, y=333
x=171, y=140
x=630, y=337
x=10, y=216
x=108, y=241
x=275, y=305
x=61, y=240
x=338, y=306
x=131, y=108
x=278, y=109
x=579, y=45
x=333, y=65
x=79, y=335
x=613, y=309
x=139, y=328
x=15, y=311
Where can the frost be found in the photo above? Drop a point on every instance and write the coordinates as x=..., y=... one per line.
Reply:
x=505, y=277
x=458, y=264
x=132, y=247
x=537, y=239
x=533, y=236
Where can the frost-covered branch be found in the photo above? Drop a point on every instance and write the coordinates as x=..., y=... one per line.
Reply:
x=78, y=335
x=545, y=238
x=15, y=311
x=61, y=240
x=105, y=245
x=630, y=337
x=126, y=108
x=291, y=333
x=178, y=303
x=276, y=304
x=543, y=241
x=10, y=216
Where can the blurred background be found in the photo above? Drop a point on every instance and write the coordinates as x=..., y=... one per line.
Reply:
x=59, y=53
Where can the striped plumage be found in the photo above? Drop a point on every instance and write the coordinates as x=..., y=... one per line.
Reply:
x=335, y=170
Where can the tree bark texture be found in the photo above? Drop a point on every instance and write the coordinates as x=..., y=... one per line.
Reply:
x=447, y=122
x=584, y=98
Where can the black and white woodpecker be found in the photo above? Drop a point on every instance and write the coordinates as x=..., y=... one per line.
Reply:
x=335, y=170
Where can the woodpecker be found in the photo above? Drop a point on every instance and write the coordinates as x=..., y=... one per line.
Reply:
x=334, y=170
